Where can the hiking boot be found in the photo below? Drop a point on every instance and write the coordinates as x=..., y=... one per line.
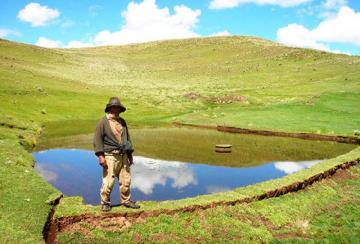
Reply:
x=130, y=204
x=105, y=207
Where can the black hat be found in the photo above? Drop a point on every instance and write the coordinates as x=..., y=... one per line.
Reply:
x=115, y=102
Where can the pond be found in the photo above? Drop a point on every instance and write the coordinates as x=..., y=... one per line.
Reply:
x=174, y=163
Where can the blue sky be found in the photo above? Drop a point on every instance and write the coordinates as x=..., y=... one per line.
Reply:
x=330, y=25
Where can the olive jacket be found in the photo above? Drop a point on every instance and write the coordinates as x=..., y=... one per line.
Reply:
x=105, y=141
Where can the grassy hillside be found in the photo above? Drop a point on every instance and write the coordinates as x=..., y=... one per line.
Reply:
x=237, y=81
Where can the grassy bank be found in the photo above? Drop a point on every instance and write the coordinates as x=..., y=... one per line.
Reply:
x=326, y=213
x=236, y=81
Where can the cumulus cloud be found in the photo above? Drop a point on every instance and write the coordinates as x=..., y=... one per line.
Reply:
x=221, y=33
x=37, y=14
x=145, y=21
x=78, y=44
x=44, y=42
x=222, y=4
x=49, y=43
x=341, y=28
x=7, y=32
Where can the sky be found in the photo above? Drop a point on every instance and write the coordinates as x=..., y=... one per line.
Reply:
x=328, y=25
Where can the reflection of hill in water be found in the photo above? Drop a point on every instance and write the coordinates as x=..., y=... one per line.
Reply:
x=197, y=146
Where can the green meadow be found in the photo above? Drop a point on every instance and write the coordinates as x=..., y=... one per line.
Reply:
x=247, y=82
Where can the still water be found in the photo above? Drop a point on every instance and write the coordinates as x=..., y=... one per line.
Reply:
x=178, y=163
x=76, y=172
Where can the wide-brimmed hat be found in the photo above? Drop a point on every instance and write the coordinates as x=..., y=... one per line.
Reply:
x=114, y=102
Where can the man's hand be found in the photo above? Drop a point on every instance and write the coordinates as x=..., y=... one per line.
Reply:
x=102, y=161
x=130, y=158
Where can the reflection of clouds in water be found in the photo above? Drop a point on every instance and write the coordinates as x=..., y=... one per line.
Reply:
x=215, y=189
x=147, y=172
x=292, y=167
x=65, y=166
x=45, y=173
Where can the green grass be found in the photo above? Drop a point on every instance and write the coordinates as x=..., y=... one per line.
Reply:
x=286, y=89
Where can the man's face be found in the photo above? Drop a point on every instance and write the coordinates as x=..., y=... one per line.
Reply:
x=114, y=110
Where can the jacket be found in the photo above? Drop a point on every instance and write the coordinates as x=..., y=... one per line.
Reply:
x=105, y=141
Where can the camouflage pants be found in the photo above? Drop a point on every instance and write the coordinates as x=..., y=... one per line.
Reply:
x=118, y=166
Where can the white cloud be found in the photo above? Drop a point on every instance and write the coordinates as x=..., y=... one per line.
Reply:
x=37, y=15
x=49, y=43
x=221, y=4
x=298, y=36
x=329, y=8
x=334, y=4
x=44, y=42
x=8, y=32
x=79, y=44
x=221, y=33
x=145, y=21
x=341, y=28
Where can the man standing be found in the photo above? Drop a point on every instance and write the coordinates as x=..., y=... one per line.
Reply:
x=113, y=147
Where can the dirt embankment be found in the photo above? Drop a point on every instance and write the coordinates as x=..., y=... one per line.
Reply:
x=120, y=221
x=307, y=136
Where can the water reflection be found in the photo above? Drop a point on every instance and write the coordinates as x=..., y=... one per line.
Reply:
x=76, y=172
x=292, y=167
x=148, y=172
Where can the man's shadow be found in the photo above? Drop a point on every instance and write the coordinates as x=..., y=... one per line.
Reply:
x=116, y=205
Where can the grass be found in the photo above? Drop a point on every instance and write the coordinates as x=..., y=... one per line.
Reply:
x=285, y=89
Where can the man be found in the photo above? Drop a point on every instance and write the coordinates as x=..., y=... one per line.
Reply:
x=113, y=147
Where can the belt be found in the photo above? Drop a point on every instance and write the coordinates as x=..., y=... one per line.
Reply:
x=120, y=152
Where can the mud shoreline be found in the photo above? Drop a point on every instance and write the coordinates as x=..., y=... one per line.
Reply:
x=306, y=136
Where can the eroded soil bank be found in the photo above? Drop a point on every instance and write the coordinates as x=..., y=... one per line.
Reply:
x=307, y=136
